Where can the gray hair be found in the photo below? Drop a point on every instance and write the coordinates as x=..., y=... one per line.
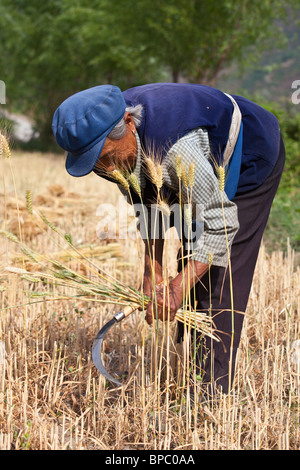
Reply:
x=120, y=129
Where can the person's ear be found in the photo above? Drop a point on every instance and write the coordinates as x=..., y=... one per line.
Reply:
x=129, y=121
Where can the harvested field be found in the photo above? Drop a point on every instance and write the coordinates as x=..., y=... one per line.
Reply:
x=51, y=395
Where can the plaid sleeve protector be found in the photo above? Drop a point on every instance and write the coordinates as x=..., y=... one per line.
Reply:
x=204, y=195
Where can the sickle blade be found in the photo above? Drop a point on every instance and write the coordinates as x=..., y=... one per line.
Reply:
x=96, y=351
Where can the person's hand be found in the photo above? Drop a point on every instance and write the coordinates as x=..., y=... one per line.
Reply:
x=149, y=282
x=164, y=302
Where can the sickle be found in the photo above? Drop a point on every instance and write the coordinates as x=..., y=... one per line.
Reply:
x=96, y=349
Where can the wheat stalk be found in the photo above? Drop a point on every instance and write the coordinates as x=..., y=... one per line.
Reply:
x=221, y=173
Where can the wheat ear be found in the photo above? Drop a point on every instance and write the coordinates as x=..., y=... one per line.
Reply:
x=185, y=177
x=29, y=201
x=120, y=178
x=134, y=183
x=155, y=172
x=191, y=175
x=164, y=207
x=4, y=146
x=178, y=166
x=221, y=176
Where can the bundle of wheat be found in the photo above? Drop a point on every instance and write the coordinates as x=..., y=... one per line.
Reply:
x=101, y=252
x=96, y=286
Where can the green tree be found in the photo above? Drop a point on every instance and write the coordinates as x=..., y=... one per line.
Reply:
x=54, y=48
x=197, y=39
x=57, y=47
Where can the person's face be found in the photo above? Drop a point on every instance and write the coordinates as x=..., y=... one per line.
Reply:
x=120, y=153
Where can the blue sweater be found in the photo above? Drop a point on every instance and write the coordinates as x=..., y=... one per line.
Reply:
x=171, y=110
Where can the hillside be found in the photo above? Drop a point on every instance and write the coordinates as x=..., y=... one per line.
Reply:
x=272, y=76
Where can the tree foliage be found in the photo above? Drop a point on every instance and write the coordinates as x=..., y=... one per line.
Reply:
x=54, y=48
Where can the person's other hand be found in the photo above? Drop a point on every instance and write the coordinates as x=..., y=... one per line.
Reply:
x=149, y=282
x=164, y=302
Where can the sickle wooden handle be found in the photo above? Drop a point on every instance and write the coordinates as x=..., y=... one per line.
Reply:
x=128, y=310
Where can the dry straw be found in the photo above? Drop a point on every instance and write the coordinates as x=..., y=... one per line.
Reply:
x=52, y=398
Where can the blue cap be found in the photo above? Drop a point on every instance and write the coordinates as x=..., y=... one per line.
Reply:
x=83, y=121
